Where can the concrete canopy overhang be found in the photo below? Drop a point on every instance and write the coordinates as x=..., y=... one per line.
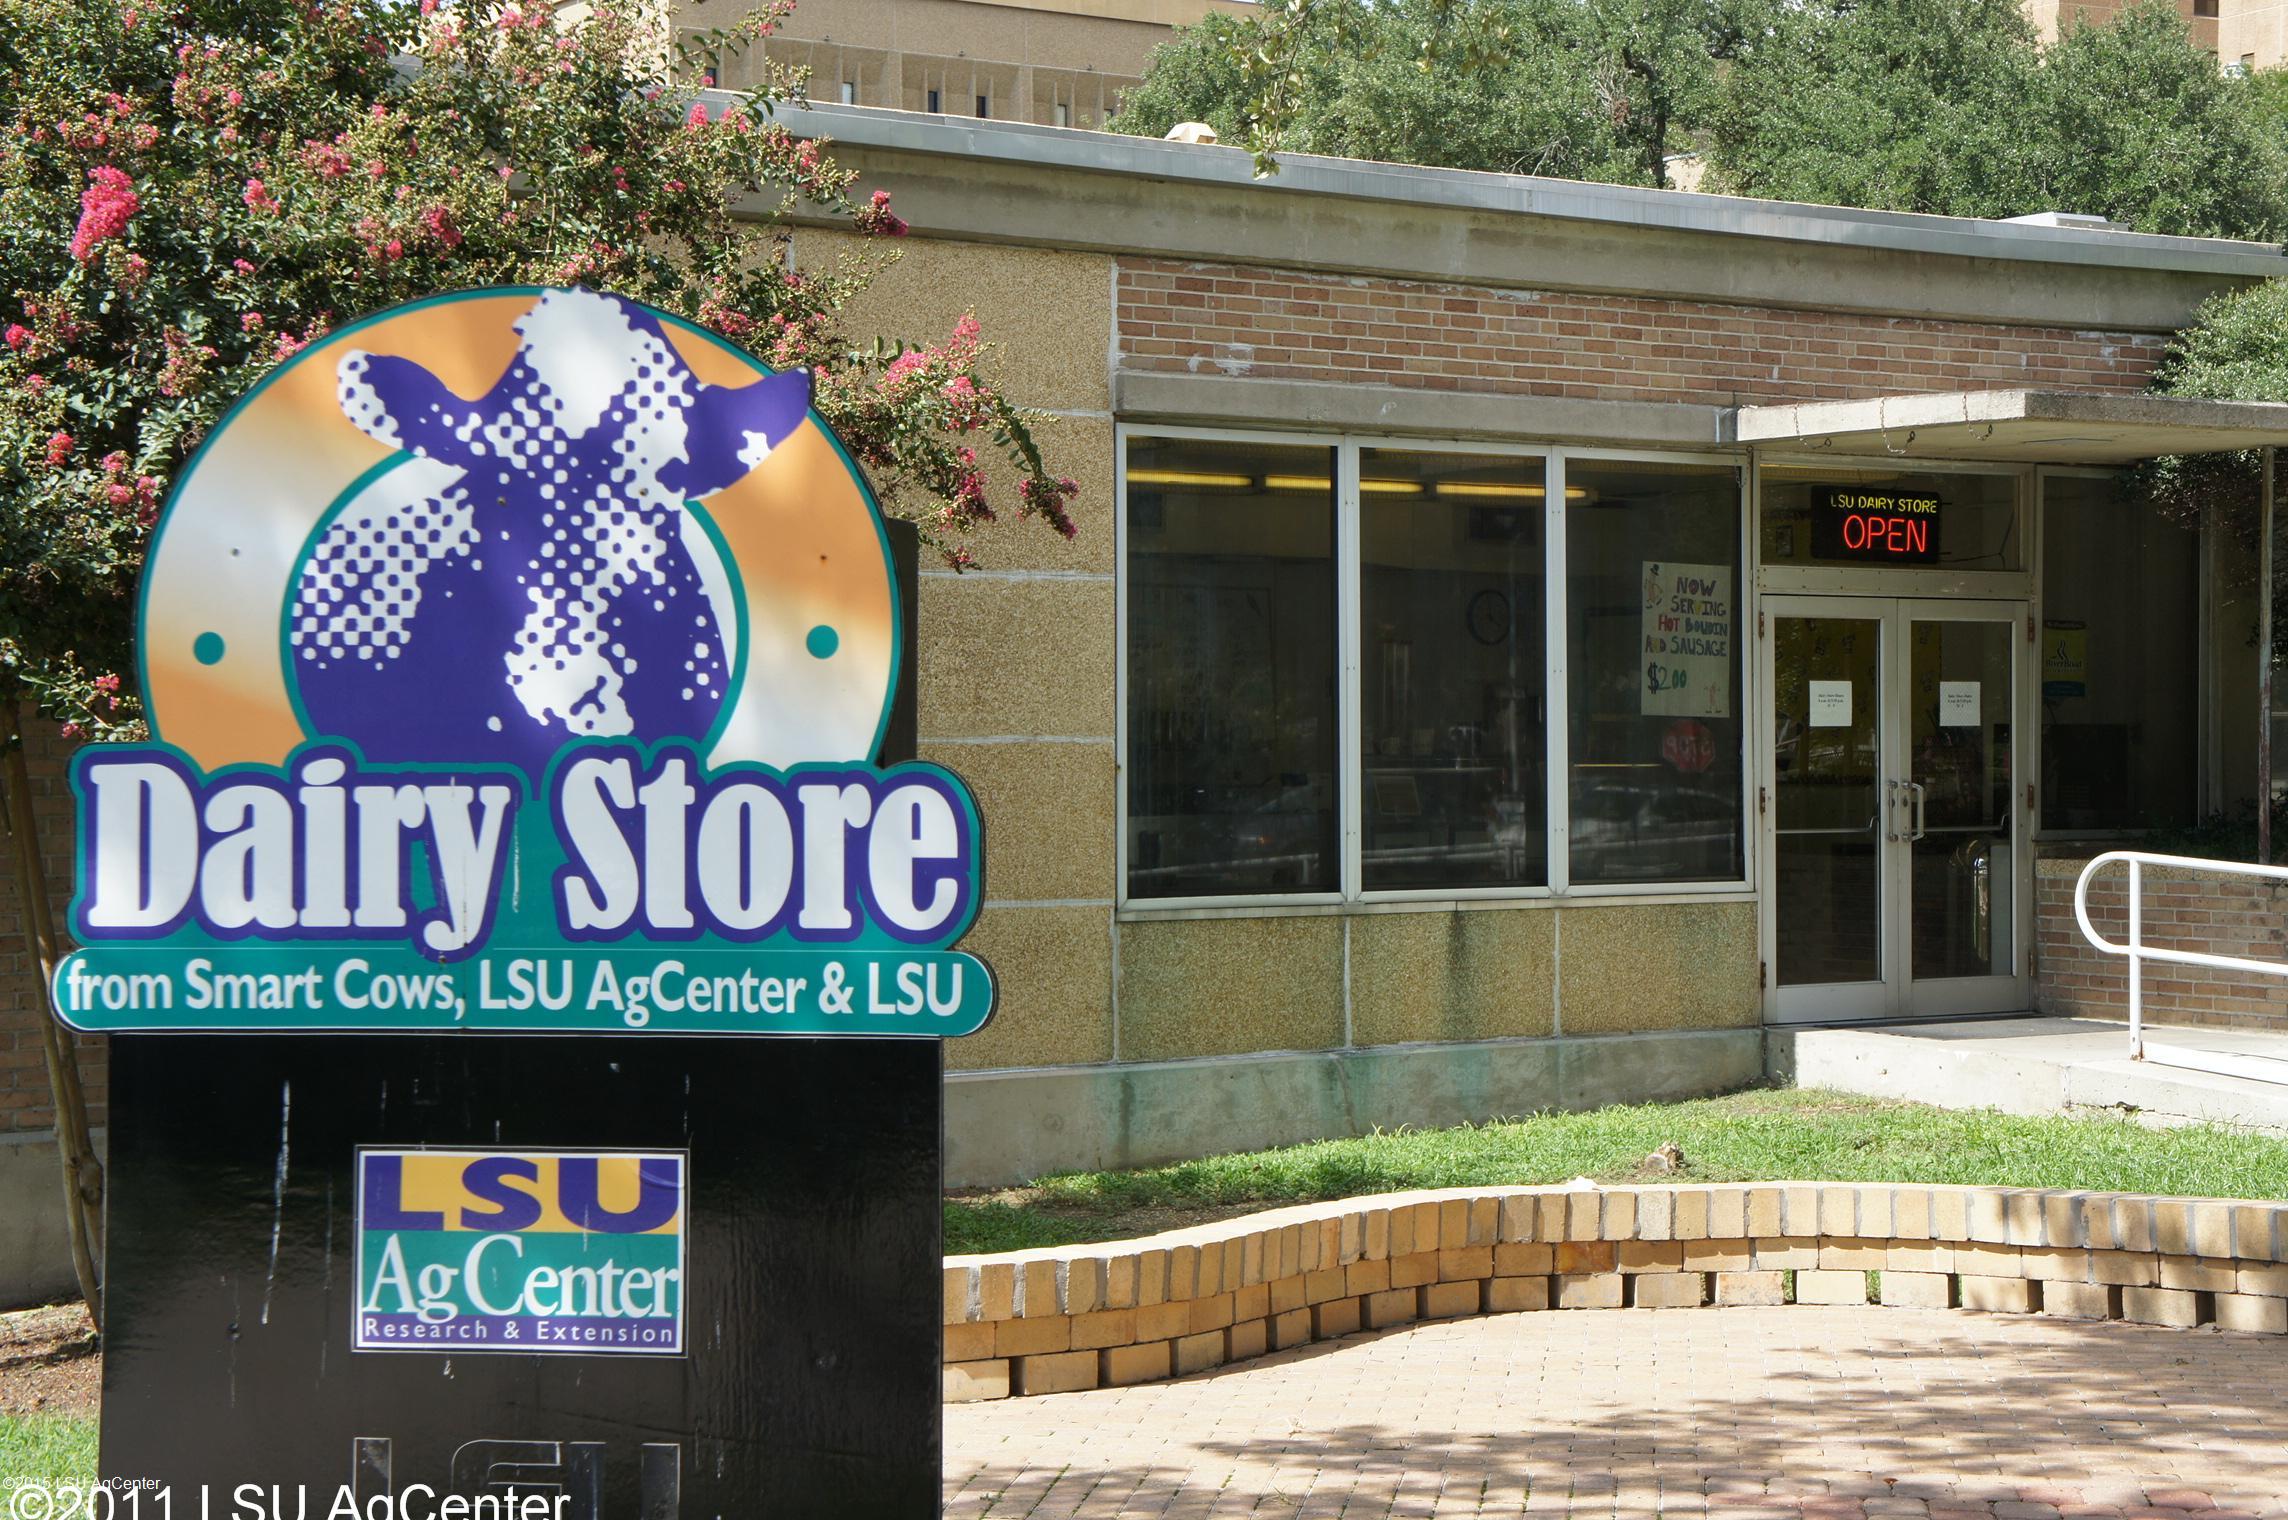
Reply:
x=2015, y=427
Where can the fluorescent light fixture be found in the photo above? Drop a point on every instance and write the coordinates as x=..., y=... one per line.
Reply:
x=1296, y=483
x=1491, y=489
x=1390, y=487
x=1189, y=478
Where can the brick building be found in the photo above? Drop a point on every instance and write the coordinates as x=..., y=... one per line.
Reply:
x=1341, y=774
x=1526, y=638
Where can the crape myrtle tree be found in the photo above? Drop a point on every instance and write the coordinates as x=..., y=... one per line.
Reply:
x=192, y=191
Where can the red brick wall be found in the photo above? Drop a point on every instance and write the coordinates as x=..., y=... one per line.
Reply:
x=24, y=1100
x=1276, y=324
x=2220, y=917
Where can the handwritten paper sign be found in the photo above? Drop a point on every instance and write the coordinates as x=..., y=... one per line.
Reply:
x=1687, y=641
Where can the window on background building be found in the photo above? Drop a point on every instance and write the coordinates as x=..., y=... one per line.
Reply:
x=1232, y=778
x=1653, y=671
x=849, y=92
x=2205, y=8
x=1452, y=677
x=933, y=102
x=2120, y=695
x=1063, y=116
x=1841, y=515
x=984, y=106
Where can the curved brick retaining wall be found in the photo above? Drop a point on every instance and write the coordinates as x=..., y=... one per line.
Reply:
x=1133, y=1311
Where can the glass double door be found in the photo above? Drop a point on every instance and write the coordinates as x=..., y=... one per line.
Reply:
x=1895, y=836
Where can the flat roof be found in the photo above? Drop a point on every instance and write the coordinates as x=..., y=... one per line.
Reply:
x=2017, y=427
x=1430, y=190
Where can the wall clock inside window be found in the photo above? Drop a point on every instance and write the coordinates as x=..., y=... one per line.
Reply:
x=1489, y=617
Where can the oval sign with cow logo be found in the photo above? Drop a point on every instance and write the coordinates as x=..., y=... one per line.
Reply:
x=518, y=659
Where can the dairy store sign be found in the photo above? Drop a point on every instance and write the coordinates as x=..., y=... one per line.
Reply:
x=517, y=661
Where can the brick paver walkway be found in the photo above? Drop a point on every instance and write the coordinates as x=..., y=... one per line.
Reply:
x=1746, y=1414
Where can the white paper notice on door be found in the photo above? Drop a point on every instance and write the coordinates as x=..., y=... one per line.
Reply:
x=1831, y=704
x=1958, y=704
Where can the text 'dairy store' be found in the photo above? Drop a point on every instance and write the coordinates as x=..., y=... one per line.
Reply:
x=1527, y=638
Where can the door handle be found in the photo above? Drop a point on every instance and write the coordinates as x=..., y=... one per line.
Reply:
x=1919, y=799
x=1890, y=807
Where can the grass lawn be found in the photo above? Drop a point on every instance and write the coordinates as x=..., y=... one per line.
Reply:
x=46, y=1448
x=1746, y=1137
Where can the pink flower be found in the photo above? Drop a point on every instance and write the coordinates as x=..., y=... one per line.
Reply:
x=59, y=448
x=258, y=197
x=73, y=731
x=35, y=383
x=115, y=462
x=697, y=118
x=393, y=249
x=242, y=266
x=105, y=207
x=966, y=330
x=439, y=221
x=251, y=321
x=18, y=335
x=107, y=683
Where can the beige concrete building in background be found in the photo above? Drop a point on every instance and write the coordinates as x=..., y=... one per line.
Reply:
x=2244, y=34
x=1055, y=63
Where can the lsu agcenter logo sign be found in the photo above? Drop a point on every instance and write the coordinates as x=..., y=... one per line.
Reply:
x=516, y=661
x=532, y=1251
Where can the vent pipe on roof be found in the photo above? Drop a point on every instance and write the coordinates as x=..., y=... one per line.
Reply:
x=1192, y=132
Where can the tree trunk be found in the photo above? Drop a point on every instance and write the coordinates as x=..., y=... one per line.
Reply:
x=83, y=1174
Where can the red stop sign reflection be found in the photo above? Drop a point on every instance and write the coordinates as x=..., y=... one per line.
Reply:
x=1688, y=745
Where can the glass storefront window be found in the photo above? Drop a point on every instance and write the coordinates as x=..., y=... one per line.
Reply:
x=1653, y=607
x=1950, y=521
x=1232, y=714
x=2120, y=693
x=1452, y=674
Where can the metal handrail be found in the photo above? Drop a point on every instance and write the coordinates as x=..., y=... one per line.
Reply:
x=2138, y=952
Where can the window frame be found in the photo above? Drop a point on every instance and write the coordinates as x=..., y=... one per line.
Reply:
x=1351, y=895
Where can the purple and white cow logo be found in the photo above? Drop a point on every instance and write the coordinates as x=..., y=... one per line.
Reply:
x=534, y=572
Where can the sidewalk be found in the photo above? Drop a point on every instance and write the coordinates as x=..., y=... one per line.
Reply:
x=2037, y=1065
x=1745, y=1414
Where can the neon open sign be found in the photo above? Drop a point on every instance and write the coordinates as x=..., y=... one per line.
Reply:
x=1875, y=527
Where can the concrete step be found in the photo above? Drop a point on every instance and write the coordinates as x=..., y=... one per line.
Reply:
x=2037, y=1065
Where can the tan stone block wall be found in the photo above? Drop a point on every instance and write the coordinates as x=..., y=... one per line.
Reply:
x=1049, y=311
x=1048, y=811
x=1659, y=966
x=1226, y=986
x=1055, y=971
x=1452, y=976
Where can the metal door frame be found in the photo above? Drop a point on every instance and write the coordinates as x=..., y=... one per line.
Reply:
x=1896, y=993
